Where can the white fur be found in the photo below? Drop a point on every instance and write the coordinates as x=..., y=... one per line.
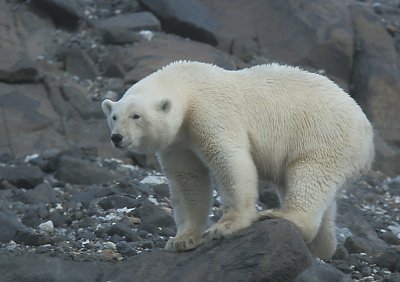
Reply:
x=268, y=122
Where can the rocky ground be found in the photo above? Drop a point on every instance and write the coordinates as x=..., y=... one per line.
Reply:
x=71, y=211
x=73, y=206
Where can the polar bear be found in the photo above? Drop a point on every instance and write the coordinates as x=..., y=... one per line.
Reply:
x=274, y=122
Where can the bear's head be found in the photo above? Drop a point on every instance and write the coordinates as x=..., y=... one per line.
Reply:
x=143, y=124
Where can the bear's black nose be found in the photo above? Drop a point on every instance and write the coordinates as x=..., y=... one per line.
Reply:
x=116, y=138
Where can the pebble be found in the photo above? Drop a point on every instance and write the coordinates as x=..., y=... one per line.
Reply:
x=154, y=179
x=47, y=227
x=109, y=245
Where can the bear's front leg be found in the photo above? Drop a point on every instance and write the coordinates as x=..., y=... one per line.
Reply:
x=191, y=196
x=236, y=177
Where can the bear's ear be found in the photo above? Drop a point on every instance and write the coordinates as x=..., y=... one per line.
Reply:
x=165, y=105
x=106, y=106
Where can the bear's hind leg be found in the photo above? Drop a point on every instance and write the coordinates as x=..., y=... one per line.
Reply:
x=190, y=190
x=324, y=243
x=310, y=189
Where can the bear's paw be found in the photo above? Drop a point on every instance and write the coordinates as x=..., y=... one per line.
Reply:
x=182, y=243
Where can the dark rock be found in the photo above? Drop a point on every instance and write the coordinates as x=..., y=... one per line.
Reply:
x=352, y=218
x=167, y=231
x=34, y=267
x=6, y=158
x=9, y=225
x=118, y=201
x=152, y=214
x=147, y=57
x=343, y=266
x=122, y=29
x=84, y=152
x=126, y=249
x=32, y=239
x=86, y=222
x=85, y=234
x=4, y=185
x=124, y=231
x=292, y=25
x=47, y=160
x=57, y=217
x=42, y=249
x=28, y=120
x=390, y=260
x=31, y=218
x=390, y=238
x=78, y=171
x=78, y=62
x=376, y=84
x=341, y=254
x=127, y=6
x=91, y=193
x=22, y=176
x=161, y=191
x=187, y=18
x=354, y=244
x=270, y=250
x=65, y=13
x=114, y=70
x=148, y=228
x=43, y=193
x=16, y=65
x=77, y=97
x=323, y=273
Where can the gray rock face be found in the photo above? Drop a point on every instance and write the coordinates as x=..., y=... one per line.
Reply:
x=271, y=250
x=16, y=65
x=376, y=83
x=54, y=46
x=284, y=31
x=148, y=56
x=77, y=62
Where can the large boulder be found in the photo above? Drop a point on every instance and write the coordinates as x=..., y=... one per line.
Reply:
x=9, y=225
x=271, y=250
x=65, y=13
x=122, y=29
x=313, y=33
x=186, y=18
x=146, y=57
x=376, y=84
x=28, y=121
x=16, y=64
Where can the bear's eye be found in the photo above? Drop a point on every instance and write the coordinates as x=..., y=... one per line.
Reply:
x=136, y=116
x=114, y=117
